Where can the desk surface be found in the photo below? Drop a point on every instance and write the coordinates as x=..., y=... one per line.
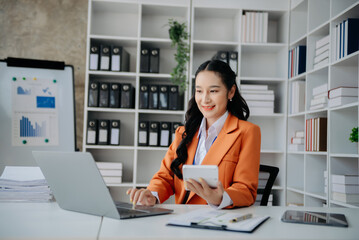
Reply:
x=273, y=228
x=48, y=221
x=45, y=221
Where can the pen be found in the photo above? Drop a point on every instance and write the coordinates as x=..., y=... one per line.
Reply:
x=241, y=218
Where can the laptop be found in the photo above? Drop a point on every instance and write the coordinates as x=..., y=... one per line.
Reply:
x=78, y=186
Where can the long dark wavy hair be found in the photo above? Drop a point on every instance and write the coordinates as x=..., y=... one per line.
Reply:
x=237, y=107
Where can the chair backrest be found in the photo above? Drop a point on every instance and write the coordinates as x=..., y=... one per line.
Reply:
x=273, y=172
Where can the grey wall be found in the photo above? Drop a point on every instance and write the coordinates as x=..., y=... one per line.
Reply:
x=51, y=30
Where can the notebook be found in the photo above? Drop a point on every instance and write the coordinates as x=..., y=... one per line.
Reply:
x=78, y=186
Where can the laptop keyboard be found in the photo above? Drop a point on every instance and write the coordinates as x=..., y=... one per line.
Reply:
x=126, y=208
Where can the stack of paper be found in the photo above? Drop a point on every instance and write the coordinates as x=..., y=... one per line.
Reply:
x=259, y=99
x=345, y=188
x=321, y=56
x=320, y=97
x=342, y=95
x=26, y=184
x=111, y=172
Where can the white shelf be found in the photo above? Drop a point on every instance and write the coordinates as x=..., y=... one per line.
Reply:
x=311, y=21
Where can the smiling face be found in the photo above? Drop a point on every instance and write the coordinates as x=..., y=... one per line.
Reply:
x=212, y=96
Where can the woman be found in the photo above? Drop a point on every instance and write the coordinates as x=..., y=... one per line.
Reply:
x=215, y=133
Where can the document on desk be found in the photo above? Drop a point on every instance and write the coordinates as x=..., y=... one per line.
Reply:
x=227, y=220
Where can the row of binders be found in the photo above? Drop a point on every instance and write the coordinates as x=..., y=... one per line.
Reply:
x=229, y=57
x=297, y=61
x=109, y=58
x=316, y=134
x=344, y=188
x=152, y=133
x=162, y=97
x=112, y=95
x=346, y=37
x=103, y=132
x=259, y=98
x=150, y=60
x=111, y=172
x=255, y=27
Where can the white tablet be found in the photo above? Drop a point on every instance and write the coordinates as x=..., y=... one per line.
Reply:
x=208, y=172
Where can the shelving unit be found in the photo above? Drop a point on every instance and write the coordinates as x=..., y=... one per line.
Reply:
x=213, y=26
x=309, y=172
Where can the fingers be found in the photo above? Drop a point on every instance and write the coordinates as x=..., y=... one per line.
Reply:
x=143, y=196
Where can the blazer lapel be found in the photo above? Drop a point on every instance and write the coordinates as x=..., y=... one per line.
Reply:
x=224, y=141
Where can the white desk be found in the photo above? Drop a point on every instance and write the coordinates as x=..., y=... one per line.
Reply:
x=48, y=221
x=273, y=228
x=45, y=221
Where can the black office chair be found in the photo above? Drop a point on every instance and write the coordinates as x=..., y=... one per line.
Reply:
x=273, y=172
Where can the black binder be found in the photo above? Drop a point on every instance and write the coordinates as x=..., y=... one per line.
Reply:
x=144, y=96
x=153, y=97
x=127, y=95
x=115, y=95
x=93, y=94
x=174, y=126
x=115, y=58
x=221, y=55
x=143, y=133
x=103, y=132
x=233, y=61
x=165, y=134
x=173, y=98
x=163, y=97
x=145, y=60
x=91, y=132
x=154, y=134
x=115, y=132
x=104, y=94
x=120, y=59
x=155, y=60
x=104, y=58
x=94, y=57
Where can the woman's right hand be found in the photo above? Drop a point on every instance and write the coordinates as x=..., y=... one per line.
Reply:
x=143, y=196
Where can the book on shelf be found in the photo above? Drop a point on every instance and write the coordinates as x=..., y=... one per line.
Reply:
x=345, y=179
x=297, y=99
x=261, y=110
x=254, y=27
x=316, y=134
x=109, y=165
x=321, y=57
x=322, y=42
x=346, y=197
x=318, y=100
x=297, y=61
x=297, y=140
x=318, y=106
x=299, y=134
x=322, y=49
x=256, y=97
x=111, y=172
x=112, y=180
x=346, y=37
x=261, y=87
x=322, y=63
x=345, y=188
x=343, y=92
x=269, y=104
x=323, y=88
x=339, y=101
x=296, y=147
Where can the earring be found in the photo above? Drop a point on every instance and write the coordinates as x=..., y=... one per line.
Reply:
x=230, y=100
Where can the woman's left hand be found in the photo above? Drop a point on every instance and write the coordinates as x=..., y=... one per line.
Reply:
x=211, y=195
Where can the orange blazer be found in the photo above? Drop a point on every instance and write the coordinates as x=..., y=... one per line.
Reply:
x=236, y=152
